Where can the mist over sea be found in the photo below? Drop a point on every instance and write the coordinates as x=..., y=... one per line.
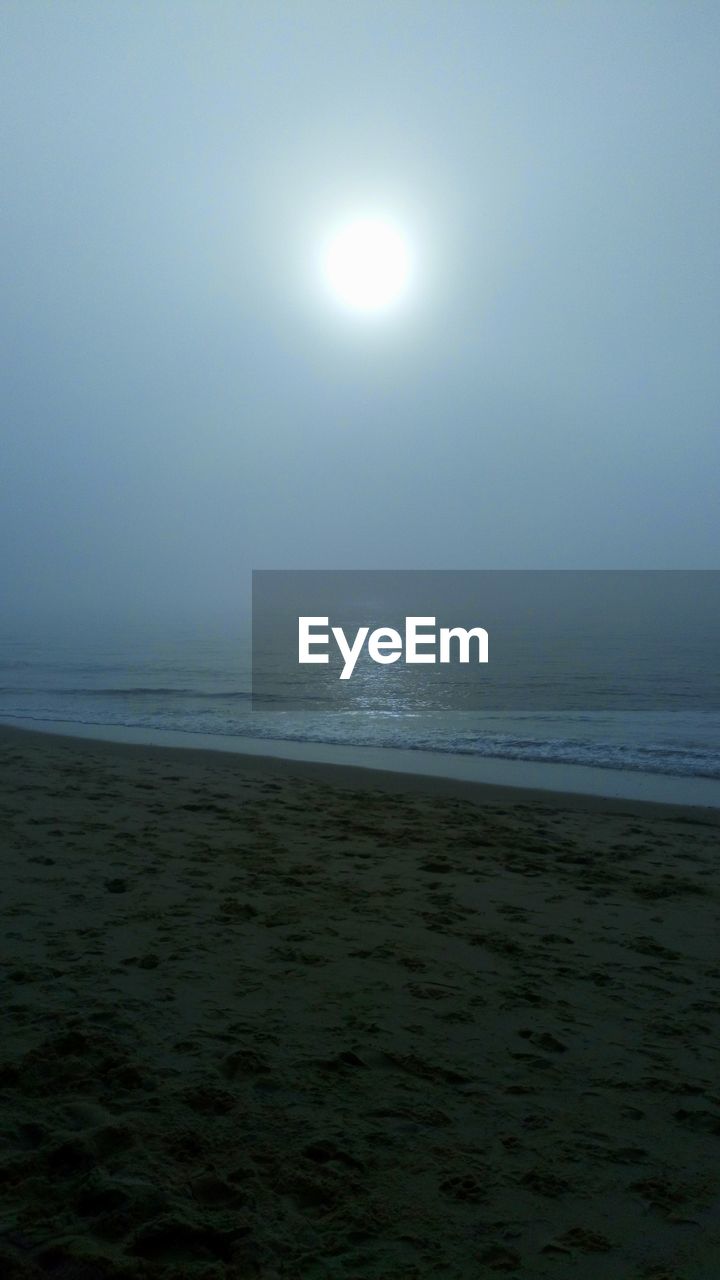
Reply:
x=201, y=684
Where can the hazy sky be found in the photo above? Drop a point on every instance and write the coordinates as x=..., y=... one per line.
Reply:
x=181, y=403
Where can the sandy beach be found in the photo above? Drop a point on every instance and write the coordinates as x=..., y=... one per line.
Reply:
x=267, y=1021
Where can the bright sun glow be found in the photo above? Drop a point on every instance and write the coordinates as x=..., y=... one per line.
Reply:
x=366, y=265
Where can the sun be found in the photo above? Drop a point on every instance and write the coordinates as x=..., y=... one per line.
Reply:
x=366, y=265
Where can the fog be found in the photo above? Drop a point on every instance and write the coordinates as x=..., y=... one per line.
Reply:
x=182, y=403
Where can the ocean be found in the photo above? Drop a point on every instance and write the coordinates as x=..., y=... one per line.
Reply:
x=200, y=683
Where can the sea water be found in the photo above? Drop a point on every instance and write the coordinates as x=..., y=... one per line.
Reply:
x=199, y=682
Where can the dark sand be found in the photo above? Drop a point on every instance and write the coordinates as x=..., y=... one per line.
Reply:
x=270, y=1021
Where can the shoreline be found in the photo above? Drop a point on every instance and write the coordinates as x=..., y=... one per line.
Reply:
x=484, y=780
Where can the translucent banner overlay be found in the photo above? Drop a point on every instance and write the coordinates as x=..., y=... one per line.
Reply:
x=554, y=640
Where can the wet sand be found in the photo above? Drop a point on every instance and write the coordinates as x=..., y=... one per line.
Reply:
x=265, y=1020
